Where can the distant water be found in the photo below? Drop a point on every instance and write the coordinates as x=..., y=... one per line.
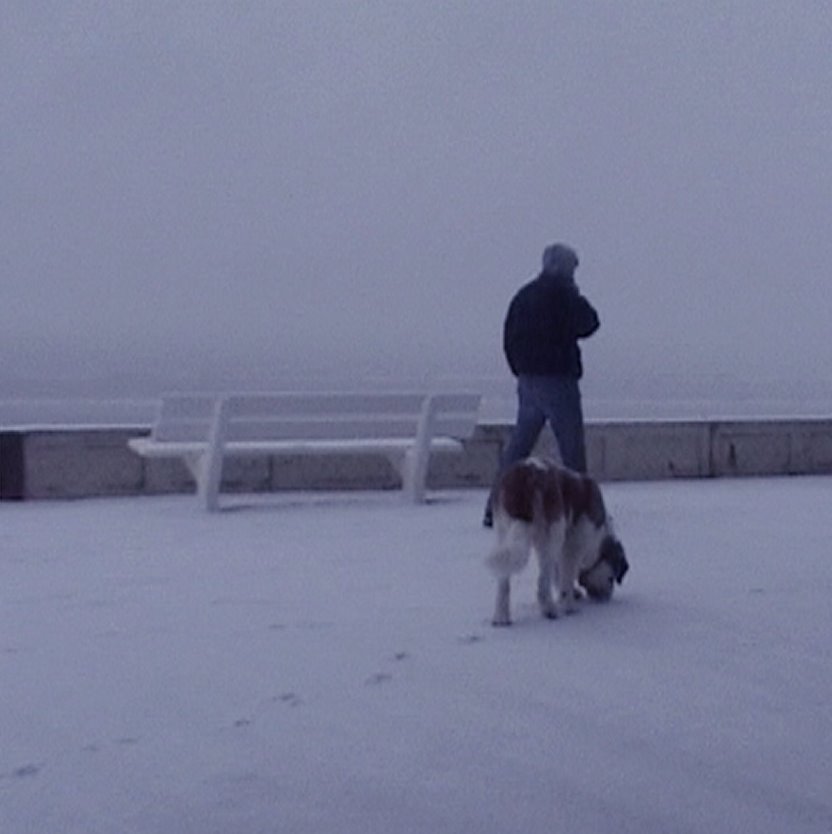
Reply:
x=497, y=407
x=131, y=399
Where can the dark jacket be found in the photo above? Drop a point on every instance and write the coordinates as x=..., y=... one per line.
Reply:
x=545, y=319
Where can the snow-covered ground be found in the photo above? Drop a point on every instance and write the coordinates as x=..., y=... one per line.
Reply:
x=325, y=663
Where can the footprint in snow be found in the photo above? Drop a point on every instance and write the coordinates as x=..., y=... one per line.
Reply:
x=288, y=698
x=378, y=679
x=23, y=772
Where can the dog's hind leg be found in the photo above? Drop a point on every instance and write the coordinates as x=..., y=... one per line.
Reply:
x=544, y=591
x=510, y=555
x=502, y=608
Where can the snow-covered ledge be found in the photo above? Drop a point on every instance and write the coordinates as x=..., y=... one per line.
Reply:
x=75, y=462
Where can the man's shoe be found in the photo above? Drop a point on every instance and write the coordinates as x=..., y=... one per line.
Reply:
x=488, y=518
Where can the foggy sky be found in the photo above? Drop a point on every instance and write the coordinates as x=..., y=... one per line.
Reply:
x=193, y=190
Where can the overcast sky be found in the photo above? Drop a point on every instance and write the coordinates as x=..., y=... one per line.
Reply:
x=324, y=188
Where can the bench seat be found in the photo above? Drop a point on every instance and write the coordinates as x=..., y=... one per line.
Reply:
x=149, y=448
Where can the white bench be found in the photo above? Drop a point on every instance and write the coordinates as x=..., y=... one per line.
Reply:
x=204, y=429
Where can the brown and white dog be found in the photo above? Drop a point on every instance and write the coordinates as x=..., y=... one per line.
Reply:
x=561, y=515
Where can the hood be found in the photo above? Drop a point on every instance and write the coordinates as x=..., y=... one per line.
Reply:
x=560, y=259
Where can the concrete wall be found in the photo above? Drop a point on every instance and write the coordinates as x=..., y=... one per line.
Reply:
x=75, y=463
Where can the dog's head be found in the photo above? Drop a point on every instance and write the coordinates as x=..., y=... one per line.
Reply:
x=610, y=567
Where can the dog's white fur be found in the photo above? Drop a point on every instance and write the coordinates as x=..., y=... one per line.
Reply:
x=561, y=516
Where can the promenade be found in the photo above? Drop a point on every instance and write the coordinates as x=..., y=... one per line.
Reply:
x=324, y=663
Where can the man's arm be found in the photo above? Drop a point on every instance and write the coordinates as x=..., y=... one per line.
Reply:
x=511, y=335
x=585, y=319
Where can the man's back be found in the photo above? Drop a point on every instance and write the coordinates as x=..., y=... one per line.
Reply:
x=545, y=319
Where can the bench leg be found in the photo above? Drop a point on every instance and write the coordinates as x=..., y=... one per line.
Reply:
x=415, y=465
x=197, y=467
x=208, y=483
x=210, y=475
x=414, y=471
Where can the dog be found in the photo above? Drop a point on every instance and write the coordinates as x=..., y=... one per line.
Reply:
x=560, y=515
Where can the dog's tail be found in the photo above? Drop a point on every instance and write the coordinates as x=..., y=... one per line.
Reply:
x=511, y=552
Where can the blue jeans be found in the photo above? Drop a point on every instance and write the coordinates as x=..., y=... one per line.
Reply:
x=556, y=398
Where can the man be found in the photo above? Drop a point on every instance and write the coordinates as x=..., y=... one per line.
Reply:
x=545, y=319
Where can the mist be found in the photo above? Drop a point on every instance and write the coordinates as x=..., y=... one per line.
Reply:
x=284, y=193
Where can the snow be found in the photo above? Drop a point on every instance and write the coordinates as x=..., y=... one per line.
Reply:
x=324, y=663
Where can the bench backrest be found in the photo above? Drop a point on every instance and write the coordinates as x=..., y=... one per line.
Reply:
x=315, y=416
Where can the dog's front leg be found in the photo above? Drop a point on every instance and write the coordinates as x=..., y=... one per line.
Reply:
x=567, y=574
x=502, y=610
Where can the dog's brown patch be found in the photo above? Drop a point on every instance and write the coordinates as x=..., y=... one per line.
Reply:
x=533, y=483
x=528, y=485
x=581, y=496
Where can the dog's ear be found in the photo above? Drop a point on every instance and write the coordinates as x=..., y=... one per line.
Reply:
x=613, y=554
x=621, y=565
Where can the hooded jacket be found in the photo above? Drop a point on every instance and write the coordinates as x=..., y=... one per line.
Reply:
x=545, y=319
